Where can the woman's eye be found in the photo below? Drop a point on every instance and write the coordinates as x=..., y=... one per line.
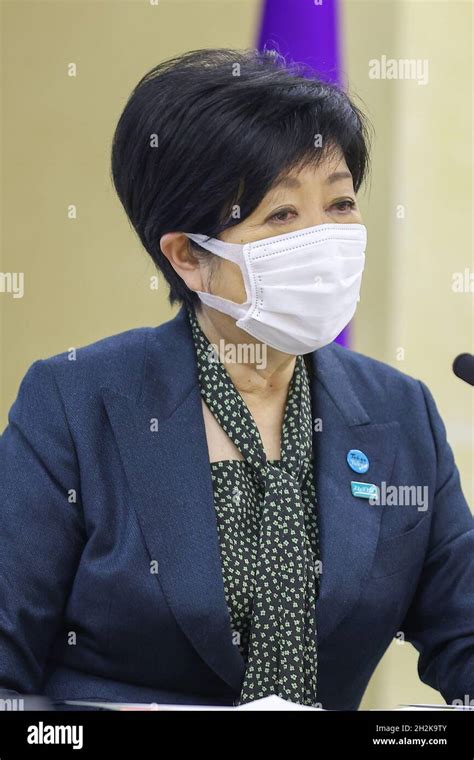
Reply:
x=281, y=216
x=344, y=206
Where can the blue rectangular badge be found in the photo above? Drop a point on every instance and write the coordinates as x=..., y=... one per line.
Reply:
x=364, y=490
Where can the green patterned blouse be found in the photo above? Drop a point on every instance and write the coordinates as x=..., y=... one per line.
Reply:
x=268, y=534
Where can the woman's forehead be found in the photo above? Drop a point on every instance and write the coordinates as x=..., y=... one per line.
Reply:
x=328, y=171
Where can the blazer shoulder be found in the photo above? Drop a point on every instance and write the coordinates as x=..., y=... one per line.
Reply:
x=368, y=366
x=380, y=386
x=116, y=361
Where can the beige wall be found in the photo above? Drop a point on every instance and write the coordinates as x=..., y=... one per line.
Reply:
x=422, y=161
x=89, y=277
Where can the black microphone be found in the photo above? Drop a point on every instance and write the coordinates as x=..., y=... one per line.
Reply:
x=463, y=367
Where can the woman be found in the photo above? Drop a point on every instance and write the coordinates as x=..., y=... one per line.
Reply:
x=185, y=514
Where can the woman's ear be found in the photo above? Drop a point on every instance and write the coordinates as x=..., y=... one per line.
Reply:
x=177, y=249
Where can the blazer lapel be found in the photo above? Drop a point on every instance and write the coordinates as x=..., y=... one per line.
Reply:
x=169, y=476
x=349, y=526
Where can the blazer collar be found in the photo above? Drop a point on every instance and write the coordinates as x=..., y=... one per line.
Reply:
x=169, y=476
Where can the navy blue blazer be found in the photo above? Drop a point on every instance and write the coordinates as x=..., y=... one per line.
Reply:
x=110, y=581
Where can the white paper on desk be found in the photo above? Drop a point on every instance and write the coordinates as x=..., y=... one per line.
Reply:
x=266, y=703
x=274, y=703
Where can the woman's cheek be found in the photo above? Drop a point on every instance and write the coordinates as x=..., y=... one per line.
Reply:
x=228, y=282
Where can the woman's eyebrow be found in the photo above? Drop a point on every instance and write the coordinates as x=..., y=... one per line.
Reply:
x=337, y=176
x=275, y=191
x=291, y=182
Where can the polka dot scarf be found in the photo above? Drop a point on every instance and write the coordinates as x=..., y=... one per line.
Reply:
x=282, y=545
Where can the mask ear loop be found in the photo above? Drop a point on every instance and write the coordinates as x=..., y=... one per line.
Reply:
x=231, y=252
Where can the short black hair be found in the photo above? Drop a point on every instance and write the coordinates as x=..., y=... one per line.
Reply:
x=210, y=130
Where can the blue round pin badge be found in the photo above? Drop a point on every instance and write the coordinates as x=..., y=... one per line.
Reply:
x=357, y=460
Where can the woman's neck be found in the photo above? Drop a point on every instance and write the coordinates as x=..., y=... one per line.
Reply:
x=259, y=373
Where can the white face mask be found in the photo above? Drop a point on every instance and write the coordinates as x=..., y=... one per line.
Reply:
x=302, y=287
